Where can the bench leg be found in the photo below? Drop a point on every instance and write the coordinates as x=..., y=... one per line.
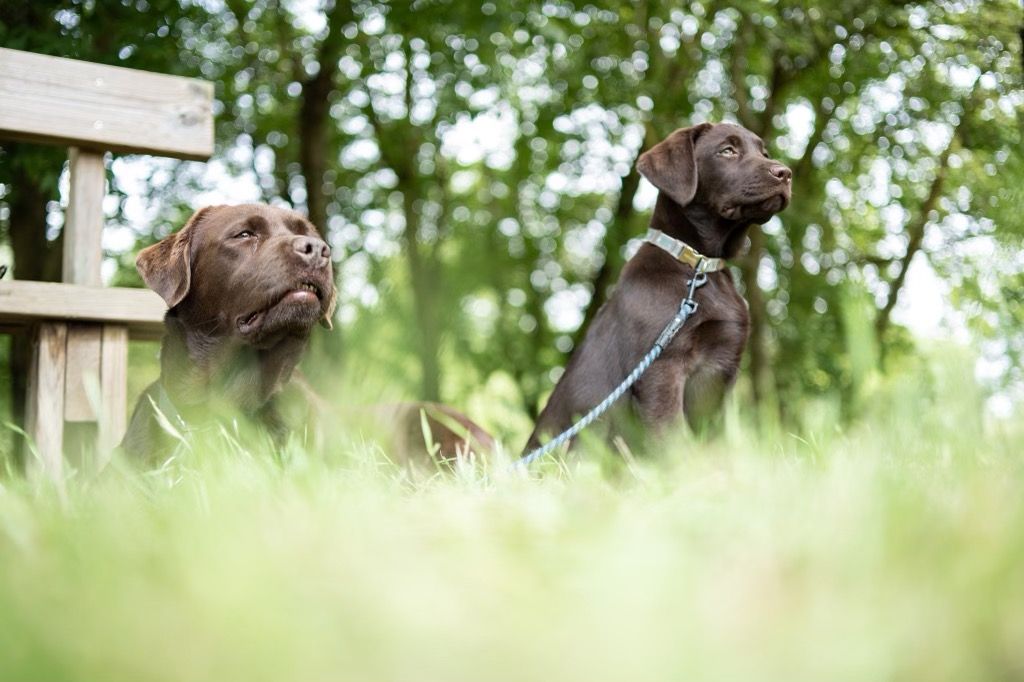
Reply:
x=114, y=387
x=96, y=387
x=45, y=417
x=81, y=394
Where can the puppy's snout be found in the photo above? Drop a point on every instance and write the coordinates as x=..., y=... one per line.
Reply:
x=314, y=252
x=780, y=172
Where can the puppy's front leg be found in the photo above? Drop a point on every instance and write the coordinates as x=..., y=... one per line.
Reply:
x=703, y=398
x=659, y=394
x=714, y=372
x=557, y=415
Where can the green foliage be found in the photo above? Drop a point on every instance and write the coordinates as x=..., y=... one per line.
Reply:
x=472, y=165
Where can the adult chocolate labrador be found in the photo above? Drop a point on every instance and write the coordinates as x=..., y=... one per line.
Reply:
x=714, y=182
x=245, y=286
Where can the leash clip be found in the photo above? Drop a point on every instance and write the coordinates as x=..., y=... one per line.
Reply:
x=687, y=308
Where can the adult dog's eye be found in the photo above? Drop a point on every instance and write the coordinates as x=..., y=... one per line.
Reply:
x=727, y=151
x=245, y=234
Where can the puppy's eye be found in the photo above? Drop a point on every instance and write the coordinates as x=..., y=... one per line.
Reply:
x=727, y=151
x=245, y=234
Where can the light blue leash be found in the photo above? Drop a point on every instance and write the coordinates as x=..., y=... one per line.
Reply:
x=687, y=308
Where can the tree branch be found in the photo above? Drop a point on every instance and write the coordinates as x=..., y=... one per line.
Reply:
x=915, y=231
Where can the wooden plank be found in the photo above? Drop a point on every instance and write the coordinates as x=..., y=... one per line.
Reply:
x=24, y=302
x=82, y=376
x=45, y=418
x=83, y=224
x=71, y=102
x=114, y=398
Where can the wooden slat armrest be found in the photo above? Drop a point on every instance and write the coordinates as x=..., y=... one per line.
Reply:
x=66, y=101
x=23, y=302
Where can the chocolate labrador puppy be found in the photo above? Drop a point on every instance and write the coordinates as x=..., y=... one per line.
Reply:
x=244, y=287
x=714, y=182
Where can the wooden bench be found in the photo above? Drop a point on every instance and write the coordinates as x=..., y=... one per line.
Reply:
x=80, y=328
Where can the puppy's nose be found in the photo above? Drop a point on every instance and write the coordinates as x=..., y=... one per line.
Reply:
x=312, y=251
x=780, y=172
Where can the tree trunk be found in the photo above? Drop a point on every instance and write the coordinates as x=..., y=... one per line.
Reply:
x=614, y=239
x=425, y=290
x=314, y=114
x=313, y=147
x=760, y=378
x=399, y=154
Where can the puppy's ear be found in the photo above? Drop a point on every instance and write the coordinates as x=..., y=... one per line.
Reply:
x=670, y=165
x=166, y=267
x=332, y=302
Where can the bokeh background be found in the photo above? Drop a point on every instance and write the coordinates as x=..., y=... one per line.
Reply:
x=861, y=515
x=472, y=165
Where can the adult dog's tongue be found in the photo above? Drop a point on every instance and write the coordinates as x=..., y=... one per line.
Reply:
x=301, y=296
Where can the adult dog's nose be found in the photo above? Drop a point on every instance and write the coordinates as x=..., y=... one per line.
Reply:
x=780, y=172
x=312, y=251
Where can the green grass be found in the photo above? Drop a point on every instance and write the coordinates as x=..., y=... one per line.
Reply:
x=893, y=550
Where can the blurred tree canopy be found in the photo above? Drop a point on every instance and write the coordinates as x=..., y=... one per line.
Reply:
x=473, y=165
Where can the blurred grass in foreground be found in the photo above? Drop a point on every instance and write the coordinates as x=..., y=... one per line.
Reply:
x=893, y=551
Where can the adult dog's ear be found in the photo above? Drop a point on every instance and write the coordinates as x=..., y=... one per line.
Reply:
x=670, y=165
x=332, y=302
x=166, y=267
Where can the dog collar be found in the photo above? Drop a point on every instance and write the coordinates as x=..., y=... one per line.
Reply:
x=683, y=252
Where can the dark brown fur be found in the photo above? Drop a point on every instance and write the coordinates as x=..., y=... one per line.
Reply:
x=227, y=263
x=708, y=197
x=452, y=435
x=238, y=318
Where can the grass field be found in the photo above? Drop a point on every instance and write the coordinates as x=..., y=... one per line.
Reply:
x=892, y=550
